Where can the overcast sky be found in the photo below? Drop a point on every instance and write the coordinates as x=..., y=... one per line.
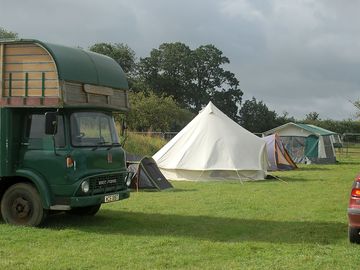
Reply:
x=297, y=56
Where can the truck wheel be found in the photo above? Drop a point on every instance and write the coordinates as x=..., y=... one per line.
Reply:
x=85, y=211
x=21, y=205
x=354, y=235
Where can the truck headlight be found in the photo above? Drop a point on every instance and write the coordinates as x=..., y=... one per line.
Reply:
x=128, y=178
x=85, y=187
x=127, y=181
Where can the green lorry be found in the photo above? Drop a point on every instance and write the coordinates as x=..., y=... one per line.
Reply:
x=59, y=149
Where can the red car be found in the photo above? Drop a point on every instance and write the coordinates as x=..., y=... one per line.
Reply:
x=354, y=212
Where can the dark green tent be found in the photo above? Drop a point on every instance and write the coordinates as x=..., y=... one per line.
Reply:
x=307, y=143
x=147, y=175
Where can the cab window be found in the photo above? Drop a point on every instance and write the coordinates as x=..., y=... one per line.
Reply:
x=35, y=132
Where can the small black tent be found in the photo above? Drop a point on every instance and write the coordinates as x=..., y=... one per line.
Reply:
x=147, y=175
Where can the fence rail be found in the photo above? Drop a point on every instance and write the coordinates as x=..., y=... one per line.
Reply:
x=165, y=135
x=349, y=140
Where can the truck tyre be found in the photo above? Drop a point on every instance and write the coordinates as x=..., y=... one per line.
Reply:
x=354, y=235
x=85, y=211
x=21, y=205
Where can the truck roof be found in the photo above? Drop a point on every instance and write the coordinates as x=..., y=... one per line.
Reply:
x=41, y=74
x=79, y=65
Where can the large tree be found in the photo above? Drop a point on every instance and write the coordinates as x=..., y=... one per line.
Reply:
x=5, y=34
x=149, y=112
x=192, y=77
x=256, y=117
x=120, y=52
x=213, y=82
x=168, y=71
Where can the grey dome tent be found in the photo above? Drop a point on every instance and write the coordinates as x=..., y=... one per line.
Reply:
x=147, y=175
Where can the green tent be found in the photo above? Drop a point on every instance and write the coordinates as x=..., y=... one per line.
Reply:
x=307, y=143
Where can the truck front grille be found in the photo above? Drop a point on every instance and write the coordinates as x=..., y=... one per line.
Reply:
x=107, y=183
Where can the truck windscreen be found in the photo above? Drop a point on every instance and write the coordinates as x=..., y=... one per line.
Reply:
x=93, y=129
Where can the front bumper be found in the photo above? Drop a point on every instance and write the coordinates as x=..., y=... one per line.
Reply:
x=83, y=201
x=97, y=199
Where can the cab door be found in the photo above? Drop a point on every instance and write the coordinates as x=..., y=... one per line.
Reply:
x=43, y=154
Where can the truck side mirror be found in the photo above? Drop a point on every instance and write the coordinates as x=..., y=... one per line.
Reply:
x=50, y=123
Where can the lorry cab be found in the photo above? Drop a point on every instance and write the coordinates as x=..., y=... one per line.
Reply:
x=59, y=148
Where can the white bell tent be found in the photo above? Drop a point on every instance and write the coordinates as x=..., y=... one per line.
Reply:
x=213, y=147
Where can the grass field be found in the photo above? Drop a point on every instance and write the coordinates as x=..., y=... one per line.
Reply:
x=297, y=223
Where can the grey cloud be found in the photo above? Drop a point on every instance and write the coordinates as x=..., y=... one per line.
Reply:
x=297, y=56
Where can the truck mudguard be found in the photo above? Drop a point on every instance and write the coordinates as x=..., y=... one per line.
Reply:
x=40, y=184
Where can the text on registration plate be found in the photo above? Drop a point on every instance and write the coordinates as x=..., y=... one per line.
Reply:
x=111, y=198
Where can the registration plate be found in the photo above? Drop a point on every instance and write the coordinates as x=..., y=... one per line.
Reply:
x=111, y=198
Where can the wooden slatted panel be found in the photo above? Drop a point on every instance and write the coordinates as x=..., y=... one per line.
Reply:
x=32, y=92
x=74, y=94
x=97, y=99
x=32, y=75
x=29, y=67
x=33, y=60
x=119, y=99
x=24, y=49
x=2, y=48
x=19, y=84
x=28, y=58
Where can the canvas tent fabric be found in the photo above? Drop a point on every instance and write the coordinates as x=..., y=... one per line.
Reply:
x=132, y=158
x=147, y=175
x=279, y=158
x=334, y=137
x=213, y=147
x=306, y=143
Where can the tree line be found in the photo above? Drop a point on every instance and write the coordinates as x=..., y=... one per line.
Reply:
x=184, y=80
x=190, y=79
x=173, y=83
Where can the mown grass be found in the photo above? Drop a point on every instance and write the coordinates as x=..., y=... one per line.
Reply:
x=299, y=222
